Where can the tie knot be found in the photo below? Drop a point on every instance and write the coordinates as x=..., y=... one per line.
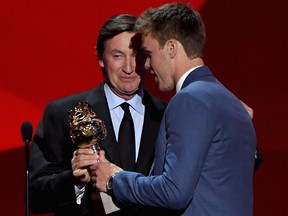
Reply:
x=125, y=107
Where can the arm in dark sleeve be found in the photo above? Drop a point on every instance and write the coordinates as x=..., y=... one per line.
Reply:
x=51, y=182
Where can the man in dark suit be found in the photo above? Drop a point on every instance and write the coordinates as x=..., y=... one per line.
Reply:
x=61, y=184
x=205, y=150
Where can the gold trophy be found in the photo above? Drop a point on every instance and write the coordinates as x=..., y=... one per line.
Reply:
x=85, y=128
x=88, y=130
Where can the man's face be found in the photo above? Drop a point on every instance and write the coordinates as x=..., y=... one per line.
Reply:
x=158, y=62
x=119, y=62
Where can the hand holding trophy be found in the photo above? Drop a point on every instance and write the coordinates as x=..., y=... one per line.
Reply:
x=86, y=129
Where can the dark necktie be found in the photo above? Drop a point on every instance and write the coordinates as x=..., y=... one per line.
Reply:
x=126, y=139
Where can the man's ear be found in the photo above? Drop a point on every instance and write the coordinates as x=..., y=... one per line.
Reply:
x=101, y=63
x=172, y=47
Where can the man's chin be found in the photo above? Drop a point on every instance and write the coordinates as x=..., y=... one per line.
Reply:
x=127, y=93
x=132, y=92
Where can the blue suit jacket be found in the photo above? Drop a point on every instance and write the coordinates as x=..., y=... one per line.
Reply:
x=204, y=158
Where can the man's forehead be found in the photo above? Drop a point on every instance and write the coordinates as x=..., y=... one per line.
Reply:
x=147, y=42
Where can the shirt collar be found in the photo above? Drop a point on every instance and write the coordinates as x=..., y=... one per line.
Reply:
x=114, y=101
x=183, y=77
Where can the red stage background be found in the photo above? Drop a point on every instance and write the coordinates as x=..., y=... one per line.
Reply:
x=47, y=51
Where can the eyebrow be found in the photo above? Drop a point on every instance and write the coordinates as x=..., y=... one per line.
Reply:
x=116, y=50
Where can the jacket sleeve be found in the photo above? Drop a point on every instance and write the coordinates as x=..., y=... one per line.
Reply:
x=51, y=182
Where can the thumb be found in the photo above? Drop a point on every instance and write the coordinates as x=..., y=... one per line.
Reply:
x=102, y=157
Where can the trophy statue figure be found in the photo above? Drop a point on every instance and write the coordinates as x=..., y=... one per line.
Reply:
x=85, y=128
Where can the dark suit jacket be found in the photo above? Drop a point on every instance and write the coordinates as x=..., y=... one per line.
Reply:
x=51, y=179
x=204, y=155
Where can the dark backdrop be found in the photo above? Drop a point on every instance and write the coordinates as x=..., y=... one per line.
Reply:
x=47, y=51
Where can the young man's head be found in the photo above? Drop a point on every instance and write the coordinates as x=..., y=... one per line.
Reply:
x=173, y=39
x=177, y=21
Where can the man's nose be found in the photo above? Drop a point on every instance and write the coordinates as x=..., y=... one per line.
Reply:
x=129, y=66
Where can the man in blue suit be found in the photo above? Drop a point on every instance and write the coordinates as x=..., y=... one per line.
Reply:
x=204, y=153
